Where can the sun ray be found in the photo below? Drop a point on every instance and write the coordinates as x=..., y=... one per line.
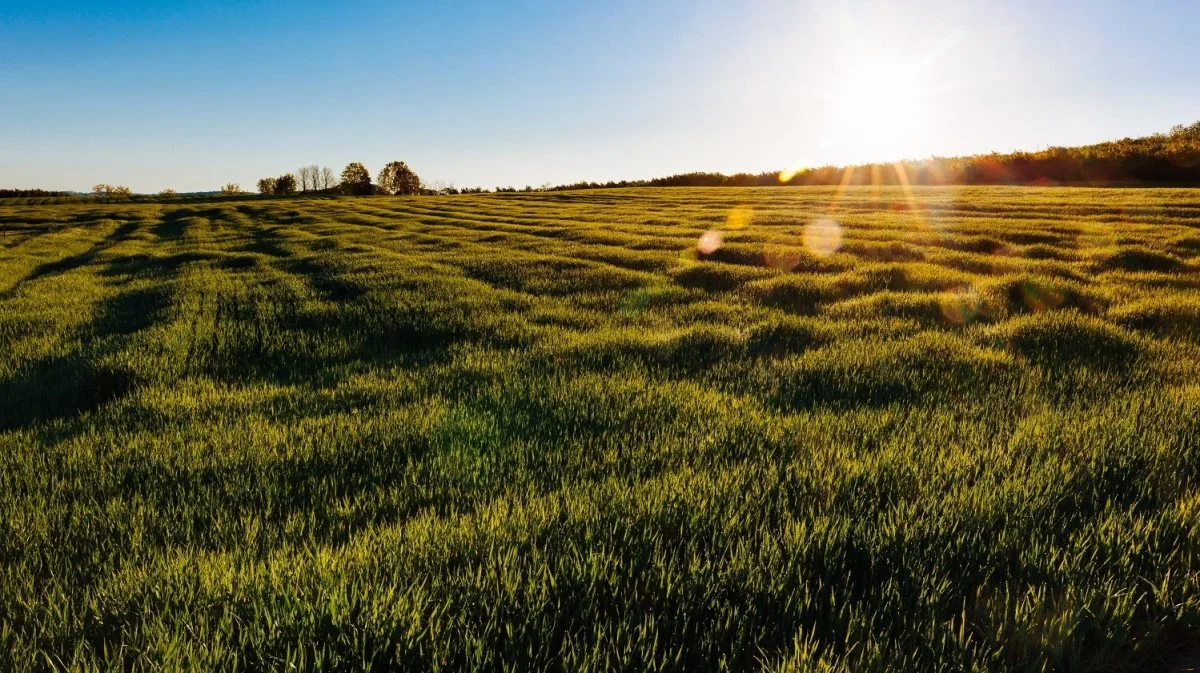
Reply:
x=909, y=196
x=841, y=188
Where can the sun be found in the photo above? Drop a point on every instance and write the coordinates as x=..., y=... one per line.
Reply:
x=880, y=109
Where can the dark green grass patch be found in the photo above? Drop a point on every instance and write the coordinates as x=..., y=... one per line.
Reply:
x=1068, y=339
x=1177, y=317
x=1140, y=258
x=717, y=277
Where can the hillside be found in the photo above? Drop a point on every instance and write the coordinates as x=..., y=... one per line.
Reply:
x=1171, y=158
x=686, y=429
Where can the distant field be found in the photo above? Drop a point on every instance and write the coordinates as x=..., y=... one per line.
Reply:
x=953, y=430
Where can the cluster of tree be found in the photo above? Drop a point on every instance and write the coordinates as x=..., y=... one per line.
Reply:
x=1170, y=158
x=284, y=184
x=30, y=192
x=395, y=178
x=231, y=189
x=315, y=178
x=305, y=179
x=111, y=190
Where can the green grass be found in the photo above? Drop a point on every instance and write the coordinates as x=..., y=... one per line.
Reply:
x=541, y=432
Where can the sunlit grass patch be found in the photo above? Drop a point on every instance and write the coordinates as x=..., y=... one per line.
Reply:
x=927, y=367
x=688, y=349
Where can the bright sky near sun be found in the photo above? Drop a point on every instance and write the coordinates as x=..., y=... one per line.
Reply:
x=191, y=95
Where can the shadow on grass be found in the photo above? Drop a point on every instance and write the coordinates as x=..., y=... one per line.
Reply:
x=58, y=388
x=72, y=262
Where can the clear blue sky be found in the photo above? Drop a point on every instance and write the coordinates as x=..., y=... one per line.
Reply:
x=190, y=95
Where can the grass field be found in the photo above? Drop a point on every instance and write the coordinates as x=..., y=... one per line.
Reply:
x=958, y=430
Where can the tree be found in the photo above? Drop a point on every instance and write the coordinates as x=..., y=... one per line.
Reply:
x=231, y=189
x=285, y=184
x=327, y=180
x=356, y=179
x=398, y=178
x=266, y=186
x=167, y=192
x=308, y=177
x=111, y=190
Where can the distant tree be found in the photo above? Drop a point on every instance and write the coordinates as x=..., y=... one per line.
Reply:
x=285, y=184
x=326, y=179
x=398, y=178
x=308, y=177
x=231, y=189
x=4, y=193
x=167, y=192
x=111, y=190
x=356, y=179
x=266, y=186
x=1192, y=131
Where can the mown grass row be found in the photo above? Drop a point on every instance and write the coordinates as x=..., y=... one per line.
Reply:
x=558, y=432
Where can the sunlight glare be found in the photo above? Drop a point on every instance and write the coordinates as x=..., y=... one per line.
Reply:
x=822, y=237
x=739, y=218
x=710, y=242
x=881, y=108
x=961, y=306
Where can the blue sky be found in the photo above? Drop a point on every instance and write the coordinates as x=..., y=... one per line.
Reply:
x=191, y=95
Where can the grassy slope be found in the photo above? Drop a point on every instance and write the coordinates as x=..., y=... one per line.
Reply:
x=528, y=431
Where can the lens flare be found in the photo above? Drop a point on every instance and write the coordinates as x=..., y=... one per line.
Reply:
x=822, y=237
x=1039, y=298
x=792, y=171
x=784, y=259
x=739, y=218
x=960, y=306
x=710, y=242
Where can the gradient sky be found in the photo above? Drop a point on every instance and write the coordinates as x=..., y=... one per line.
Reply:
x=191, y=95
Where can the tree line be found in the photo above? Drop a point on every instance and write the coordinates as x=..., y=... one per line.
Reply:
x=5, y=193
x=1163, y=158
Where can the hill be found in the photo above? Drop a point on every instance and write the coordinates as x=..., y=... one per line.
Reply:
x=1166, y=158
